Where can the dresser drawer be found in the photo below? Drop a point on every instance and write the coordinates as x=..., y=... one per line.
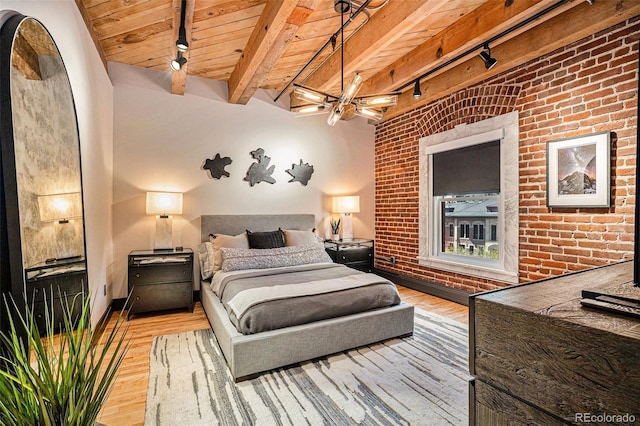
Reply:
x=58, y=313
x=355, y=254
x=156, y=297
x=161, y=273
x=67, y=284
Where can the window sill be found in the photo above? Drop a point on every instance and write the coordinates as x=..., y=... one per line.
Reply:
x=470, y=269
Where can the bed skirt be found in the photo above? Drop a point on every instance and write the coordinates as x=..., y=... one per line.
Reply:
x=248, y=355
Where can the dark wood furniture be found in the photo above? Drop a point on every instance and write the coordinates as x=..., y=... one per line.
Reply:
x=58, y=283
x=160, y=280
x=356, y=253
x=539, y=357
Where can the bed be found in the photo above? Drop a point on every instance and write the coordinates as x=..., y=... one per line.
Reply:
x=248, y=355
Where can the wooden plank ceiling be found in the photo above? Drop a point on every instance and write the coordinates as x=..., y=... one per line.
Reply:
x=258, y=44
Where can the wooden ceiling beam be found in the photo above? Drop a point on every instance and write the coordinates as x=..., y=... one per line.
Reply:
x=179, y=78
x=92, y=32
x=385, y=26
x=573, y=25
x=473, y=29
x=277, y=26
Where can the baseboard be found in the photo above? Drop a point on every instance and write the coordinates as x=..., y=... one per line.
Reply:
x=428, y=287
x=118, y=304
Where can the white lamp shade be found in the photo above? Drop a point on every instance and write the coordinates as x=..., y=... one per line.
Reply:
x=348, y=204
x=164, y=203
x=58, y=207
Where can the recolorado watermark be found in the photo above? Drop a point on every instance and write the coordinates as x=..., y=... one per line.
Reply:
x=604, y=418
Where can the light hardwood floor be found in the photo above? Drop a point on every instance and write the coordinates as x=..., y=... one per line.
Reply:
x=126, y=404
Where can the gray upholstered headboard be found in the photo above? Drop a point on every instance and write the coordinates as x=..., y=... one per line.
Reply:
x=236, y=224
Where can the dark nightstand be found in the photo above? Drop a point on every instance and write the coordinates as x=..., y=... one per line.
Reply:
x=160, y=280
x=54, y=283
x=355, y=253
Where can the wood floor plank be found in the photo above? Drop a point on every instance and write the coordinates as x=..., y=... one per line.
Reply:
x=126, y=404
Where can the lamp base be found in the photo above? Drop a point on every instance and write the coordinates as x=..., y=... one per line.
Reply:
x=164, y=228
x=347, y=226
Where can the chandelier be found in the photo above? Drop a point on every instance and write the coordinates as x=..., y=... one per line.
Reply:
x=317, y=102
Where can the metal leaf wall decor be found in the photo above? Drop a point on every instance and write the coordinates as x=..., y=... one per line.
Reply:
x=300, y=173
x=216, y=166
x=260, y=170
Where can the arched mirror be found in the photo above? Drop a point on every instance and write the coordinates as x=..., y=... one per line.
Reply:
x=42, y=247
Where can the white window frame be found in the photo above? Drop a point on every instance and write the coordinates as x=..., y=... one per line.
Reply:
x=505, y=129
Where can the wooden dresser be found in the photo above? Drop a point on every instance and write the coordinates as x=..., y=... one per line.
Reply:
x=540, y=358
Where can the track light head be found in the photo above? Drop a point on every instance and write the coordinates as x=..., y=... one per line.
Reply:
x=178, y=62
x=485, y=55
x=417, y=93
x=181, y=42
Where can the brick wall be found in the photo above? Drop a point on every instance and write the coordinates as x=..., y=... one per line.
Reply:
x=586, y=87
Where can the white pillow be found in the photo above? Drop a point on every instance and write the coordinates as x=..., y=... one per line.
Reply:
x=220, y=241
x=299, y=238
x=235, y=259
x=205, y=255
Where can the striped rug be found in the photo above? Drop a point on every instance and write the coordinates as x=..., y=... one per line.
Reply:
x=418, y=380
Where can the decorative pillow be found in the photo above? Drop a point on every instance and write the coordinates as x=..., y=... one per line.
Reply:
x=206, y=257
x=265, y=240
x=299, y=238
x=239, y=259
x=220, y=241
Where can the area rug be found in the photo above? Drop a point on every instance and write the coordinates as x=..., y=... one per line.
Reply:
x=417, y=380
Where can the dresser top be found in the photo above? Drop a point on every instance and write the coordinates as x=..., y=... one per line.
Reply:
x=560, y=297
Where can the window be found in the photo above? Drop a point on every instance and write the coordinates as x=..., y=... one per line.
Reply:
x=469, y=190
x=464, y=230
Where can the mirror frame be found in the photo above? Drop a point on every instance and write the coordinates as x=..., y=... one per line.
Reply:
x=12, y=269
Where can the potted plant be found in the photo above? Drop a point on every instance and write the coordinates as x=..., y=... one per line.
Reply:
x=335, y=228
x=44, y=383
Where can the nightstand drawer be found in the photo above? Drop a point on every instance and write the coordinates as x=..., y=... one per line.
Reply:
x=355, y=254
x=160, y=273
x=66, y=284
x=145, y=298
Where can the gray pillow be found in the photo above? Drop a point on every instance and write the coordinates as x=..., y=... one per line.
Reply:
x=235, y=259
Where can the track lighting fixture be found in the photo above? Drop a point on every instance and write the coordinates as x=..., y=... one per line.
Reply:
x=417, y=93
x=485, y=55
x=181, y=42
x=178, y=62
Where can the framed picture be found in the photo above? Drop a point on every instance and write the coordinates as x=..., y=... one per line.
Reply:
x=578, y=171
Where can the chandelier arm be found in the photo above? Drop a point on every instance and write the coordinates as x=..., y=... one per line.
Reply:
x=335, y=98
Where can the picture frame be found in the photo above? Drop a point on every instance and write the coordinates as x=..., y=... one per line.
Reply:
x=579, y=171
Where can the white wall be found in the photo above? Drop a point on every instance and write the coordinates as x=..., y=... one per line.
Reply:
x=161, y=142
x=93, y=95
